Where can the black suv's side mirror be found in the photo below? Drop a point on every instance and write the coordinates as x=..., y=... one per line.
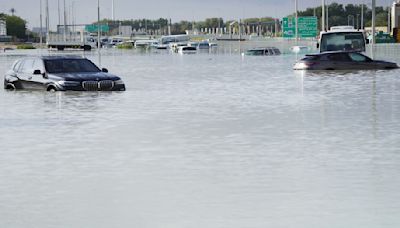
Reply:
x=317, y=45
x=104, y=70
x=367, y=41
x=37, y=72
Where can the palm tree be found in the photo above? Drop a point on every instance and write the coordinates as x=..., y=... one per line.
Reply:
x=12, y=11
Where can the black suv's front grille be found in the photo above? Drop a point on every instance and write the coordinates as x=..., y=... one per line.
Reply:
x=98, y=85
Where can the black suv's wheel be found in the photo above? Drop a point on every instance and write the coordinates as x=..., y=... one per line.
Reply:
x=51, y=89
x=8, y=85
x=87, y=47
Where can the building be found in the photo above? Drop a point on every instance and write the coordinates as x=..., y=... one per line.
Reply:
x=395, y=14
x=3, y=32
x=37, y=30
x=125, y=30
x=3, y=28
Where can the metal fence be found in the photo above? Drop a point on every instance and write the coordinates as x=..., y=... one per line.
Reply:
x=384, y=51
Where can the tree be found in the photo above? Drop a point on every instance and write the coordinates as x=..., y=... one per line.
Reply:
x=16, y=26
x=342, y=15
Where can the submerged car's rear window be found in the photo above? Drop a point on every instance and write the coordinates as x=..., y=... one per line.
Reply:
x=69, y=66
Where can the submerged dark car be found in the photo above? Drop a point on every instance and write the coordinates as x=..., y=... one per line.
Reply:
x=60, y=73
x=263, y=51
x=341, y=61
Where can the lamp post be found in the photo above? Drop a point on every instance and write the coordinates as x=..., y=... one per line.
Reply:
x=358, y=27
x=297, y=20
x=373, y=21
x=362, y=16
x=98, y=31
x=41, y=25
x=348, y=19
x=323, y=16
x=327, y=17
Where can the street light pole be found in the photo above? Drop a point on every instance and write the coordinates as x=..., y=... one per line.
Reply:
x=358, y=27
x=41, y=25
x=65, y=23
x=373, y=21
x=362, y=16
x=327, y=17
x=112, y=10
x=98, y=31
x=348, y=19
x=323, y=16
x=297, y=20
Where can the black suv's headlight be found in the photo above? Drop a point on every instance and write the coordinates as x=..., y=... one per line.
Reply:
x=119, y=82
x=68, y=83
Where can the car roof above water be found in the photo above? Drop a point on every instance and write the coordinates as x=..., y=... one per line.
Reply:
x=51, y=57
x=332, y=52
x=262, y=48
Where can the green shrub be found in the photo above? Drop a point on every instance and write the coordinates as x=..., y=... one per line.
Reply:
x=125, y=46
x=25, y=46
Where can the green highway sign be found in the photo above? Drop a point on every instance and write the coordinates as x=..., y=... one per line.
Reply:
x=94, y=28
x=308, y=27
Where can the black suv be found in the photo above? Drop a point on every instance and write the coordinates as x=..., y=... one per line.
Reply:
x=60, y=73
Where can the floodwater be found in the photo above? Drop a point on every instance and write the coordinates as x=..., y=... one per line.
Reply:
x=205, y=140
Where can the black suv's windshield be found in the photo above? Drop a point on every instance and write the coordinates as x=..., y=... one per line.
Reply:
x=69, y=66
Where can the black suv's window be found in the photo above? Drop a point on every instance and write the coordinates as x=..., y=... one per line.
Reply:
x=255, y=52
x=341, y=57
x=17, y=66
x=358, y=57
x=38, y=65
x=70, y=66
x=26, y=66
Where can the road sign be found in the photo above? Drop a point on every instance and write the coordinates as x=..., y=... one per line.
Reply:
x=308, y=27
x=94, y=28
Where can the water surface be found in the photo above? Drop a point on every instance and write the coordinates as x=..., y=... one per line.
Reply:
x=204, y=140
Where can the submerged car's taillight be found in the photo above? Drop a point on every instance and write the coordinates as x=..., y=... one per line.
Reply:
x=304, y=65
x=310, y=63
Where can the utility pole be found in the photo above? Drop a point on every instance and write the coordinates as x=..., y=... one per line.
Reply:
x=373, y=21
x=65, y=23
x=327, y=17
x=47, y=20
x=297, y=20
x=169, y=27
x=323, y=16
x=98, y=31
x=112, y=11
x=41, y=25
x=59, y=15
x=362, y=16
x=358, y=27
x=389, y=27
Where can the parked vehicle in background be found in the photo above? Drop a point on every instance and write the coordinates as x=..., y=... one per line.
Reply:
x=264, y=51
x=60, y=73
x=174, y=39
x=341, y=61
x=299, y=49
x=187, y=50
x=59, y=42
x=205, y=44
x=113, y=41
x=342, y=38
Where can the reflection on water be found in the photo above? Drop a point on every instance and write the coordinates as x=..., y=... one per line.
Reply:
x=205, y=140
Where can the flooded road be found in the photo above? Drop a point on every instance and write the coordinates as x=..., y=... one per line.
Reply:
x=204, y=140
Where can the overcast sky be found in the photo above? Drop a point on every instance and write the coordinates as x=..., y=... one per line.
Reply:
x=86, y=10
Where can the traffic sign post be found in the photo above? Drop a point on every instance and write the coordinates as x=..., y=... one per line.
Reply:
x=308, y=27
